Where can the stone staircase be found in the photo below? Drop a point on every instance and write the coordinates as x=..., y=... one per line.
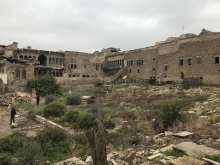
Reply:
x=119, y=75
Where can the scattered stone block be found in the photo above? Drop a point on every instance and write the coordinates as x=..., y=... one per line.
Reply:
x=183, y=134
x=211, y=161
x=167, y=133
x=169, y=148
x=186, y=160
x=154, y=156
x=194, y=150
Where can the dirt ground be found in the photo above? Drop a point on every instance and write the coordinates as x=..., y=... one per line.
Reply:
x=24, y=124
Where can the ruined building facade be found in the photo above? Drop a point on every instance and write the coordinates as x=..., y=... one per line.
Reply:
x=188, y=58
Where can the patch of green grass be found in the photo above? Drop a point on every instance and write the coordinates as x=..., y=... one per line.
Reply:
x=215, y=158
x=174, y=153
x=217, y=120
x=26, y=106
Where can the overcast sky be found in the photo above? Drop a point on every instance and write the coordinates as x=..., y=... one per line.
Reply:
x=91, y=25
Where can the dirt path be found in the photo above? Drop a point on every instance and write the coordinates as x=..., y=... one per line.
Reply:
x=24, y=124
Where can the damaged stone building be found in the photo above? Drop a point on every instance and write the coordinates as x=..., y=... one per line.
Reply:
x=189, y=58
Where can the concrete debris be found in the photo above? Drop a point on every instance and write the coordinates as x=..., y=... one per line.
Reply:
x=211, y=161
x=186, y=160
x=154, y=156
x=71, y=161
x=168, y=148
x=194, y=150
x=183, y=134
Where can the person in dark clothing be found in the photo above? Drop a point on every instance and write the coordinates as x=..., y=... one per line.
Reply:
x=13, y=113
x=37, y=98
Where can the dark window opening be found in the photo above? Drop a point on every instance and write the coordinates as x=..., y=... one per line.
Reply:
x=165, y=67
x=84, y=66
x=130, y=71
x=153, y=69
x=23, y=74
x=154, y=59
x=189, y=61
x=138, y=70
x=182, y=75
x=180, y=62
x=216, y=60
x=17, y=73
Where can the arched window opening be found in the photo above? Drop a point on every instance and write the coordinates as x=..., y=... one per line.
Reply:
x=57, y=74
x=17, y=73
x=53, y=61
x=29, y=57
x=49, y=60
x=24, y=74
x=56, y=60
x=25, y=57
x=61, y=74
x=43, y=60
x=61, y=61
x=21, y=57
x=53, y=73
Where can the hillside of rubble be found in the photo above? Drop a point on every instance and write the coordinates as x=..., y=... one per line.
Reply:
x=144, y=128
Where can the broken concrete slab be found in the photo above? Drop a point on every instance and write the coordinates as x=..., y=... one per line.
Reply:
x=194, y=150
x=167, y=148
x=186, y=160
x=183, y=134
x=154, y=156
x=210, y=161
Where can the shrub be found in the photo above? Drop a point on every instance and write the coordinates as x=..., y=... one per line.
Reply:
x=109, y=124
x=5, y=158
x=73, y=99
x=52, y=140
x=9, y=144
x=170, y=111
x=93, y=110
x=85, y=120
x=70, y=116
x=29, y=153
x=54, y=109
x=49, y=99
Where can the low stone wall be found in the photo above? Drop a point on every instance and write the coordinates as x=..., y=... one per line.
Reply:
x=51, y=124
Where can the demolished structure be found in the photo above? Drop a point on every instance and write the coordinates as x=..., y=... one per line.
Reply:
x=189, y=59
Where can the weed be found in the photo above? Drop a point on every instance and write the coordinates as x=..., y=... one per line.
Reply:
x=176, y=154
x=26, y=106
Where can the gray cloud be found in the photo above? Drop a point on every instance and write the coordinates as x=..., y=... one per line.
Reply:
x=87, y=26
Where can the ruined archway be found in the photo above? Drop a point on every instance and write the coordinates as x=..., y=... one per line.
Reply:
x=43, y=60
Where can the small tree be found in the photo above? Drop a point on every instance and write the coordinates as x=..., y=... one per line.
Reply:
x=54, y=109
x=44, y=85
x=73, y=99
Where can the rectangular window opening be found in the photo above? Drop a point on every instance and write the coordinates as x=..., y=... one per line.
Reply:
x=189, y=61
x=180, y=62
x=216, y=60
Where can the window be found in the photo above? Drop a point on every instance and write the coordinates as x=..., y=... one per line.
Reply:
x=17, y=73
x=138, y=70
x=23, y=74
x=74, y=66
x=165, y=67
x=130, y=71
x=84, y=66
x=153, y=69
x=182, y=75
x=189, y=61
x=140, y=62
x=154, y=59
x=130, y=63
x=216, y=60
x=97, y=67
x=180, y=62
x=198, y=60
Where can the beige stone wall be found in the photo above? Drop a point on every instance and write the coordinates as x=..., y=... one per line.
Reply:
x=206, y=50
x=142, y=72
